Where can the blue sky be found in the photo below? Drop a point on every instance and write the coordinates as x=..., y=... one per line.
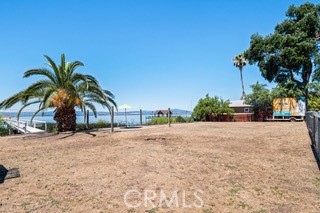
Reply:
x=151, y=54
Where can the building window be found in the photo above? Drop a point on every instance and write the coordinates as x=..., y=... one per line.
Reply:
x=246, y=110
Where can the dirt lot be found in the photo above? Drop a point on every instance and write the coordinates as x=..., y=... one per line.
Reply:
x=199, y=167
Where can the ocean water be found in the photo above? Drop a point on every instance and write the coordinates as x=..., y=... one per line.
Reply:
x=92, y=119
x=133, y=119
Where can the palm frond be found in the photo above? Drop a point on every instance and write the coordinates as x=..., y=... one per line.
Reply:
x=92, y=79
x=9, y=102
x=55, y=69
x=48, y=97
x=24, y=106
x=39, y=85
x=73, y=66
x=107, y=92
x=92, y=107
x=36, y=112
x=78, y=77
x=41, y=71
x=62, y=69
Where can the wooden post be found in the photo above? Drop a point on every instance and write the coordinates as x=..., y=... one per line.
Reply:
x=125, y=115
x=169, y=116
x=87, y=124
x=140, y=117
x=112, y=118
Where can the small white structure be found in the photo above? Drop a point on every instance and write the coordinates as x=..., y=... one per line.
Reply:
x=240, y=107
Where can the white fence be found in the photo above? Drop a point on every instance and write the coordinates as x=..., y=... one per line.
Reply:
x=313, y=124
x=26, y=127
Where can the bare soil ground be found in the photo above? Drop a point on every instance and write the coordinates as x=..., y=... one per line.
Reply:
x=239, y=167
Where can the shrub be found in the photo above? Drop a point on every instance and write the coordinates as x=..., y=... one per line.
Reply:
x=4, y=128
x=51, y=127
x=211, y=106
x=190, y=119
x=99, y=124
x=180, y=119
x=161, y=120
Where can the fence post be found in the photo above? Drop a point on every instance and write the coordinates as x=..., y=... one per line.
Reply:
x=316, y=130
x=45, y=127
x=314, y=127
x=140, y=117
x=112, y=118
x=87, y=124
x=317, y=140
x=169, y=116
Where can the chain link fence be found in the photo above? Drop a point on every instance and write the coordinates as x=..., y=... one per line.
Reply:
x=313, y=124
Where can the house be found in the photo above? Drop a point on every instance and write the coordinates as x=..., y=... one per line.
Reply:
x=159, y=113
x=240, y=107
x=242, y=112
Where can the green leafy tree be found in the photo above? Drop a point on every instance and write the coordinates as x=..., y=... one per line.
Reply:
x=314, y=96
x=291, y=53
x=287, y=90
x=211, y=106
x=62, y=89
x=314, y=104
x=261, y=97
x=239, y=61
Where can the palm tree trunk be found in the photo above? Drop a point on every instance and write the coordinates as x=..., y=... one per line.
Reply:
x=243, y=96
x=66, y=119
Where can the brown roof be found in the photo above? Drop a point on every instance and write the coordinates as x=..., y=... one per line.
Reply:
x=162, y=112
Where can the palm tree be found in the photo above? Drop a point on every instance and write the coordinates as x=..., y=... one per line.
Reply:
x=239, y=61
x=63, y=89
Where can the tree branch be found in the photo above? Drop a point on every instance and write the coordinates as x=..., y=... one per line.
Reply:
x=293, y=79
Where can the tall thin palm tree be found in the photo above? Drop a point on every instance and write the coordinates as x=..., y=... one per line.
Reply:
x=239, y=61
x=63, y=89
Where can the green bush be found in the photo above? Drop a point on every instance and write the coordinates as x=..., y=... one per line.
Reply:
x=180, y=119
x=4, y=128
x=161, y=120
x=99, y=124
x=51, y=127
x=190, y=119
x=211, y=106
